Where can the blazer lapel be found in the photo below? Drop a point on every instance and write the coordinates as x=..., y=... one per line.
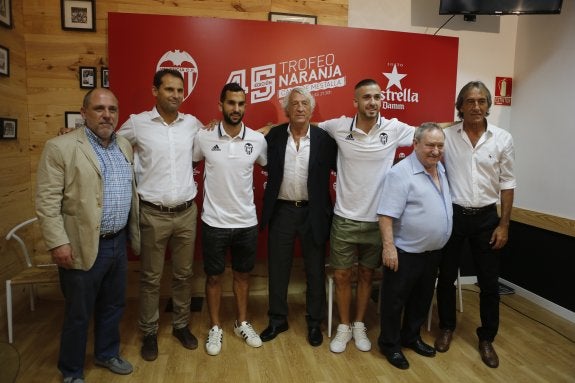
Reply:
x=281, y=147
x=314, y=146
x=88, y=150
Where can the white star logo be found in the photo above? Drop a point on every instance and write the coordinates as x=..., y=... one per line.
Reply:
x=394, y=78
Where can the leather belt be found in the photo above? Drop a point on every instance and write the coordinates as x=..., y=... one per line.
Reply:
x=293, y=203
x=472, y=210
x=111, y=235
x=165, y=209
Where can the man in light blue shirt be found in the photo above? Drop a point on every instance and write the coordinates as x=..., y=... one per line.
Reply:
x=415, y=220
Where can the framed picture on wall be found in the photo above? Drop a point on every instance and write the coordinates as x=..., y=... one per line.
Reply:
x=104, y=77
x=78, y=15
x=9, y=129
x=6, y=13
x=292, y=18
x=4, y=61
x=73, y=120
x=87, y=77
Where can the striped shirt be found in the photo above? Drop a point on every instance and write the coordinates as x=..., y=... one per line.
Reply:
x=117, y=176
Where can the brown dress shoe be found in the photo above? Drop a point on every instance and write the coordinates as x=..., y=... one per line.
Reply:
x=488, y=354
x=443, y=341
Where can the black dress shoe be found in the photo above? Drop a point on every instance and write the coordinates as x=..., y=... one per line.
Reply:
x=149, y=350
x=186, y=338
x=272, y=331
x=314, y=336
x=421, y=348
x=397, y=359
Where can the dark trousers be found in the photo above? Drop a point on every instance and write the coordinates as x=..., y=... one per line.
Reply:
x=409, y=289
x=477, y=229
x=288, y=223
x=98, y=293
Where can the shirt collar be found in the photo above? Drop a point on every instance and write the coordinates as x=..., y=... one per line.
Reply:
x=222, y=132
x=353, y=122
x=306, y=134
x=157, y=117
x=418, y=167
x=95, y=140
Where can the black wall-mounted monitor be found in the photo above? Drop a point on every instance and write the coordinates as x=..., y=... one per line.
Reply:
x=499, y=7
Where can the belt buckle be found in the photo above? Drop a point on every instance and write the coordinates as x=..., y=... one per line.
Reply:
x=298, y=203
x=474, y=210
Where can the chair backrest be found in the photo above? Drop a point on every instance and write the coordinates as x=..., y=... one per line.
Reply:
x=15, y=235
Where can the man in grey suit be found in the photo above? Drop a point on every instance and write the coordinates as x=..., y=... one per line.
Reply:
x=85, y=195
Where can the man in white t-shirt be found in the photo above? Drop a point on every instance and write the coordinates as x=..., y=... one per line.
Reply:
x=229, y=213
x=366, y=150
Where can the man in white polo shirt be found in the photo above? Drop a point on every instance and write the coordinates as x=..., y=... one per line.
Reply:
x=229, y=213
x=366, y=149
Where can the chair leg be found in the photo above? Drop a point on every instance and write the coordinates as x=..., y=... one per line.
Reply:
x=429, y=316
x=329, y=304
x=9, y=309
x=459, y=295
x=32, y=293
x=459, y=291
x=379, y=298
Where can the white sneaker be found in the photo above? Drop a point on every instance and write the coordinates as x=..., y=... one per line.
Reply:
x=214, y=341
x=339, y=342
x=359, y=332
x=246, y=331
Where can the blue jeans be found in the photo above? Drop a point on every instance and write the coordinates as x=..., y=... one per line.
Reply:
x=100, y=292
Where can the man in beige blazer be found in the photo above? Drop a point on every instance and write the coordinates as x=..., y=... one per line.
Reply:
x=85, y=194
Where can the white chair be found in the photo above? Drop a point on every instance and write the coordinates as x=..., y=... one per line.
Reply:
x=377, y=277
x=34, y=273
x=458, y=284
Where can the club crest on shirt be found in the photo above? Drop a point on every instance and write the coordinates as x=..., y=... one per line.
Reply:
x=383, y=138
x=249, y=148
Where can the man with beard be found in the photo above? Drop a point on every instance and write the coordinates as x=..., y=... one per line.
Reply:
x=229, y=213
x=366, y=149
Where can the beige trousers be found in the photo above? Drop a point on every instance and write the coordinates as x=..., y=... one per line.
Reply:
x=160, y=230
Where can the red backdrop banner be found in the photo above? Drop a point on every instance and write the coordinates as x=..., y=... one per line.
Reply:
x=417, y=73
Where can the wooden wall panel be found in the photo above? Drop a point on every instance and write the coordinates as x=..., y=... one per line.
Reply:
x=15, y=184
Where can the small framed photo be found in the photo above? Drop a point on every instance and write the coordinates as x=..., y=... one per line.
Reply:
x=8, y=128
x=104, y=77
x=4, y=61
x=6, y=13
x=73, y=120
x=78, y=15
x=87, y=77
x=292, y=18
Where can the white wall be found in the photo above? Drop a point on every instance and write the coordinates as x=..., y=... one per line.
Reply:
x=538, y=51
x=544, y=113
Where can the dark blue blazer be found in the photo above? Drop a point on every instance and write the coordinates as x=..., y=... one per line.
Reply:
x=322, y=159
